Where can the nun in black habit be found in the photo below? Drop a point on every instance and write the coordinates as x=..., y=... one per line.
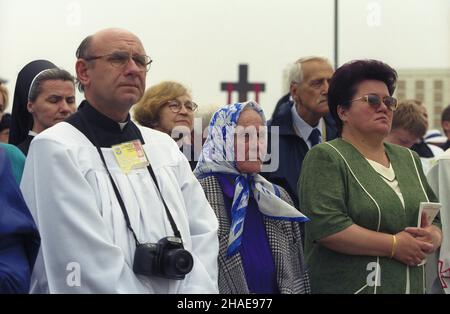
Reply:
x=22, y=120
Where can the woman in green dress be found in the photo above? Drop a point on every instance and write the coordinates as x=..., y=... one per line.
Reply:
x=363, y=195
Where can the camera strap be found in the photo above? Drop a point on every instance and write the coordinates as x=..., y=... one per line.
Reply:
x=116, y=190
x=176, y=232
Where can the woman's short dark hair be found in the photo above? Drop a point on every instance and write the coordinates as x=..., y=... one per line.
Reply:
x=345, y=81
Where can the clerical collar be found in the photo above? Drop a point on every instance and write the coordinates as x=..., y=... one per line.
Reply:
x=32, y=133
x=102, y=130
x=301, y=127
x=95, y=116
x=122, y=125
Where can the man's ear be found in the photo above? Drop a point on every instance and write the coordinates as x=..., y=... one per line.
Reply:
x=293, y=90
x=81, y=67
x=30, y=107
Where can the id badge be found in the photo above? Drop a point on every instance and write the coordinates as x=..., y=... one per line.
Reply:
x=130, y=155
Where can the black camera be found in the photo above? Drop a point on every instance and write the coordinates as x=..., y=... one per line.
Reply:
x=167, y=259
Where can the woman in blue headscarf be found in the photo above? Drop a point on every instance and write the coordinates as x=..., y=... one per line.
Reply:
x=259, y=232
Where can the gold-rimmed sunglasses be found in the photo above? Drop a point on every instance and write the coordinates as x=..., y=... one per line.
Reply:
x=374, y=100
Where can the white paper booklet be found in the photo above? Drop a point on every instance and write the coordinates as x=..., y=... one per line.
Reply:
x=427, y=212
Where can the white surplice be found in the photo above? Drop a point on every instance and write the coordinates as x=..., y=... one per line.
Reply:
x=86, y=246
x=439, y=179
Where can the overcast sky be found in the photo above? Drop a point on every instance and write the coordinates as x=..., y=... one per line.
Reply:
x=201, y=42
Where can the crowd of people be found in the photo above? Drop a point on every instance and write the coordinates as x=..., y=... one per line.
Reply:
x=94, y=201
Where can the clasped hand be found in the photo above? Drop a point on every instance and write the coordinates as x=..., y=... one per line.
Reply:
x=414, y=244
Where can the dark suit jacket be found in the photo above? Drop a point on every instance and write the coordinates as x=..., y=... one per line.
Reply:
x=422, y=149
x=284, y=239
x=280, y=102
x=292, y=149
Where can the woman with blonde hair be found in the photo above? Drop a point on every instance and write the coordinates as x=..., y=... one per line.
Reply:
x=168, y=107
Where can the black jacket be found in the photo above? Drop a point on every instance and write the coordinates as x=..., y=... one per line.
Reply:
x=422, y=149
x=292, y=149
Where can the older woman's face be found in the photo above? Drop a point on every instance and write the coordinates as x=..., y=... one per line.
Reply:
x=249, y=141
x=54, y=104
x=169, y=119
x=362, y=119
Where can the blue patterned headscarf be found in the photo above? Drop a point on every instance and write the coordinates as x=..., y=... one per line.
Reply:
x=217, y=156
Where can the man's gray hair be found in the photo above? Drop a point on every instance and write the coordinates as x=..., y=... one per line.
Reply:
x=296, y=72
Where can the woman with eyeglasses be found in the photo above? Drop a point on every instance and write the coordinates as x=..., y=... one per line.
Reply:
x=168, y=107
x=363, y=195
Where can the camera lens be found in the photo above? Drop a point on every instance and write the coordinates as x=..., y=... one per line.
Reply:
x=178, y=262
x=184, y=262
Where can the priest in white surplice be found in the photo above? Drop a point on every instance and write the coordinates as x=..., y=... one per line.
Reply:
x=74, y=183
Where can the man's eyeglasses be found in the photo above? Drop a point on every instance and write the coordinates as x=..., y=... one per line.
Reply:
x=175, y=106
x=374, y=100
x=121, y=58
